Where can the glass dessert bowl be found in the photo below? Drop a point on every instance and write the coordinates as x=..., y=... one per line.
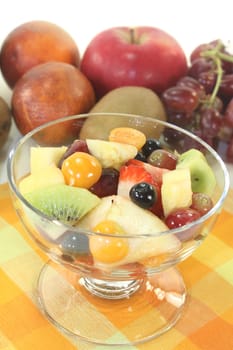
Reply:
x=114, y=239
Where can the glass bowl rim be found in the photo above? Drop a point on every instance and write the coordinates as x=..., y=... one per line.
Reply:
x=56, y=222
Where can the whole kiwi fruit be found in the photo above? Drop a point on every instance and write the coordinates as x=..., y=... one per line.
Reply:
x=5, y=121
x=135, y=100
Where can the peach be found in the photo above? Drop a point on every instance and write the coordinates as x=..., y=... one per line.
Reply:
x=47, y=92
x=33, y=43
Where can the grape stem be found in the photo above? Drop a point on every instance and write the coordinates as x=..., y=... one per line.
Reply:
x=217, y=56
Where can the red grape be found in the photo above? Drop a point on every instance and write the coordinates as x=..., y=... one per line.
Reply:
x=225, y=133
x=209, y=114
x=107, y=184
x=189, y=142
x=226, y=87
x=201, y=202
x=192, y=84
x=210, y=121
x=227, y=66
x=228, y=116
x=198, y=51
x=208, y=81
x=199, y=66
x=181, y=99
x=217, y=103
x=76, y=146
x=161, y=158
x=172, y=136
x=181, y=217
x=179, y=118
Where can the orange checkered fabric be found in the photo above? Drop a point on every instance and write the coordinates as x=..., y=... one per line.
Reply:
x=206, y=324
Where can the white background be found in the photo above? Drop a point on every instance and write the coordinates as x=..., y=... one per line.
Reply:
x=189, y=22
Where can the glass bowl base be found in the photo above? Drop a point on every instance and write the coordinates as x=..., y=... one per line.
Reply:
x=140, y=310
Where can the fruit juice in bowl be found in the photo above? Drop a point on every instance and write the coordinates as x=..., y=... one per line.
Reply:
x=115, y=207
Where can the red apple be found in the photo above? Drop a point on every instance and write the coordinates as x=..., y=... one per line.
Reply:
x=33, y=43
x=48, y=92
x=143, y=56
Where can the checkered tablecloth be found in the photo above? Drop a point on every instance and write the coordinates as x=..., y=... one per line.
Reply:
x=207, y=323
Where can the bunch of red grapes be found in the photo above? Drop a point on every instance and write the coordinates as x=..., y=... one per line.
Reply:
x=202, y=101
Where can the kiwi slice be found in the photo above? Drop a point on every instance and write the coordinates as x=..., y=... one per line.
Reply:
x=62, y=202
x=202, y=176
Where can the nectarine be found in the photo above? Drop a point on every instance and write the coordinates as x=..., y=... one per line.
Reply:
x=5, y=121
x=33, y=43
x=47, y=92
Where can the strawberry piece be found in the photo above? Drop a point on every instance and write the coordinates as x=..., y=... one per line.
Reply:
x=131, y=175
x=156, y=172
x=157, y=208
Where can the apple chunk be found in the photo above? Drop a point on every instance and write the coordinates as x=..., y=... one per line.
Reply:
x=49, y=175
x=176, y=190
x=135, y=222
x=41, y=157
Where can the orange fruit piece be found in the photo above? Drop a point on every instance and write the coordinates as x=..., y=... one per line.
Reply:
x=108, y=249
x=129, y=136
x=81, y=170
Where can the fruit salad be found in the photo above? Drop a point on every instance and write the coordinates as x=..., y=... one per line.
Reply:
x=122, y=195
